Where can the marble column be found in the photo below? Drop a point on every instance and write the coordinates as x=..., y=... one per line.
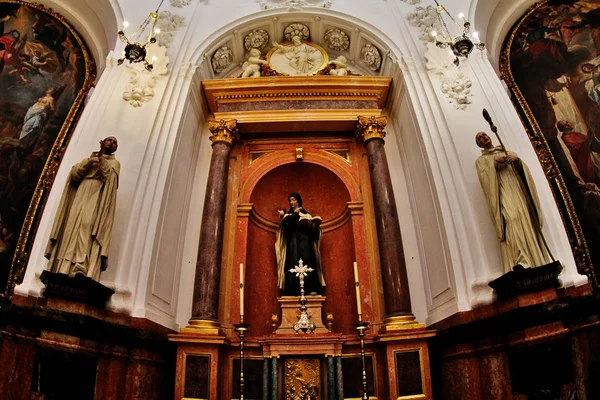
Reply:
x=208, y=265
x=398, y=311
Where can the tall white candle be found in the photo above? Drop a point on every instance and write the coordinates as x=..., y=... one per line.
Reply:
x=241, y=289
x=357, y=286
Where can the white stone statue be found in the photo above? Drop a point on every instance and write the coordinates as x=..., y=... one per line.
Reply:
x=341, y=66
x=300, y=59
x=82, y=227
x=252, y=65
x=513, y=204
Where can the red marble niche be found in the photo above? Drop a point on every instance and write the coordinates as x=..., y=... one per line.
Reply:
x=325, y=195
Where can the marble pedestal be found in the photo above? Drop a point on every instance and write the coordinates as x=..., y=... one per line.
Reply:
x=290, y=309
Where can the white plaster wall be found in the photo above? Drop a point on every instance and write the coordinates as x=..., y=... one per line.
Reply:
x=452, y=251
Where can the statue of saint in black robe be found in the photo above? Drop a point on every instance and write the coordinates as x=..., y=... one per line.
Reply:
x=298, y=238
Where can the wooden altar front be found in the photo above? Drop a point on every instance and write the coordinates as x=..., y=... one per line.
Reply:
x=297, y=134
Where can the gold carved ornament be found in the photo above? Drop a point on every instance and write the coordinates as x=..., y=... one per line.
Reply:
x=224, y=130
x=371, y=127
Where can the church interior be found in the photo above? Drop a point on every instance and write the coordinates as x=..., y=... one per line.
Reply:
x=299, y=199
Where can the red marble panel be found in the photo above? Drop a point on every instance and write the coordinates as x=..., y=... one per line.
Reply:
x=323, y=193
x=261, y=281
x=495, y=376
x=110, y=379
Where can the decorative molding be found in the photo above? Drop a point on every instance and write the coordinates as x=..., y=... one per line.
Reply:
x=257, y=39
x=224, y=130
x=221, y=59
x=371, y=57
x=293, y=4
x=337, y=40
x=142, y=82
x=454, y=83
x=180, y=3
x=370, y=127
x=168, y=24
x=427, y=20
x=296, y=29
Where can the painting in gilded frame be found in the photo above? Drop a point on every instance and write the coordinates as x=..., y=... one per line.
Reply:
x=45, y=74
x=551, y=63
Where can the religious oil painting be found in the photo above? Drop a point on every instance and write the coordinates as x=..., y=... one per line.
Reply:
x=45, y=73
x=551, y=63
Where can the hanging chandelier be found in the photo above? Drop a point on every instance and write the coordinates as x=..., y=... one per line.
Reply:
x=460, y=46
x=135, y=50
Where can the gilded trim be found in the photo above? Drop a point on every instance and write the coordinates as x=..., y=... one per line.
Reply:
x=423, y=394
x=38, y=200
x=264, y=223
x=183, y=369
x=549, y=165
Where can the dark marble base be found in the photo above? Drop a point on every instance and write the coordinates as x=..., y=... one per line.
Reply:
x=78, y=288
x=523, y=280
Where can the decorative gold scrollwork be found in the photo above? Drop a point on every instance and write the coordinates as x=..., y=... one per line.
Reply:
x=370, y=127
x=224, y=130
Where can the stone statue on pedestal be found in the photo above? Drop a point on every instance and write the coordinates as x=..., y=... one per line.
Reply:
x=81, y=233
x=513, y=204
x=298, y=237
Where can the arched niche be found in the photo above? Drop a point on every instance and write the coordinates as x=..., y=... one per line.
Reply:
x=323, y=194
x=97, y=21
x=494, y=18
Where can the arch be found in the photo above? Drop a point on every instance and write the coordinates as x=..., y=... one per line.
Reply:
x=197, y=55
x=318, y=157
x=498, y=17
x=96, y=21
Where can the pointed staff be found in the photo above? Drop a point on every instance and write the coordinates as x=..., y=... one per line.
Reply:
x=488, y=118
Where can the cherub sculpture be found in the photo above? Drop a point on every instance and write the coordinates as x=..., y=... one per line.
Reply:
x=252, y=65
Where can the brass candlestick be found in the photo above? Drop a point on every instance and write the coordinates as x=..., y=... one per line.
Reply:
x=361, y=327
x=241, y=329
x=304, y=323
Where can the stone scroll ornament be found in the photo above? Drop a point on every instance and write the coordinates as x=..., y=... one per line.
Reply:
x=453, y=82
x=336, y=39
x=371, y=57
x=221, y=59
x=292, y=4
x=142, y=82
x=256, y=39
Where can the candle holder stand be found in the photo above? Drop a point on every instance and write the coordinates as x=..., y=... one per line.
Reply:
x=361, y=328
x=241, y=330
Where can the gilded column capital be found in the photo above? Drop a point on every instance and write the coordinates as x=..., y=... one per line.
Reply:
x=371, y=127
x=224, y=130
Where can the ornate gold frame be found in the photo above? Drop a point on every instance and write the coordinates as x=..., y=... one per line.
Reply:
x=570, y=218
x=28, y=230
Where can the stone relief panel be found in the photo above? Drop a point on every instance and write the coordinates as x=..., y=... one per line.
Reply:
x=221, y=59
x=336, y=39
x=257, y=39
x=371, y=57
x=426, y=20
x=453, y=82
x=180, y=3
x=168, y=24
x=142, y=82
x=296, y=29
x=268, y=4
